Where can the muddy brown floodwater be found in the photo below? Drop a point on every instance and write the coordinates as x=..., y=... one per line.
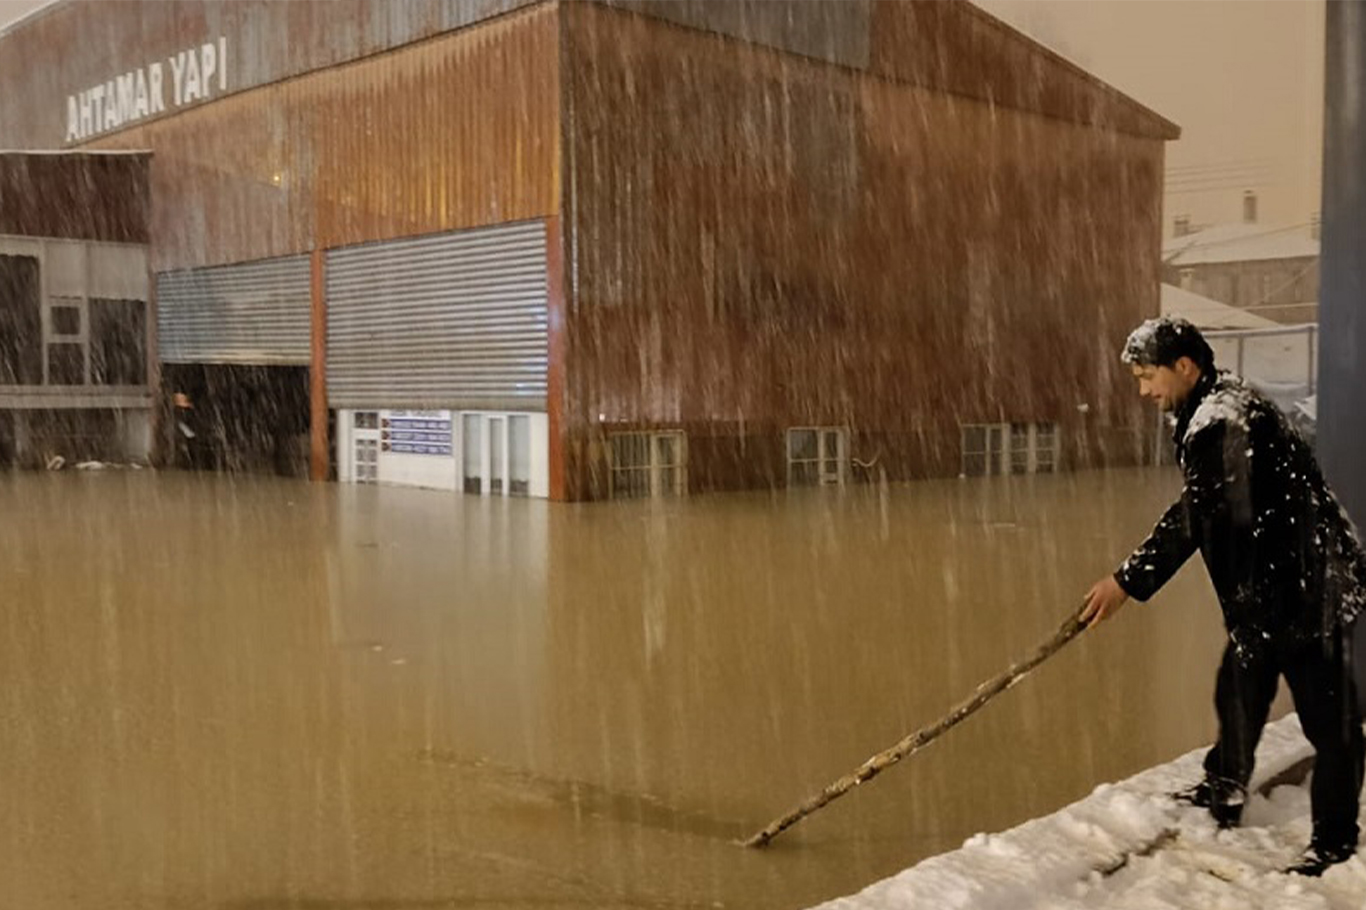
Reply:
x=251, y=694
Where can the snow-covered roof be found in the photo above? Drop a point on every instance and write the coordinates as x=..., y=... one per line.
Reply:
x=1240, y=243
x=1204, y=313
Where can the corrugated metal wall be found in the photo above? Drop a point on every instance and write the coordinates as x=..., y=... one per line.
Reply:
x=949, y=45
x=931, y=43
x=69, y=47
x=454, y=320
x=456, y=132
x=789, y=276
x=252, y=313
x=78, y=195
x=836, y=31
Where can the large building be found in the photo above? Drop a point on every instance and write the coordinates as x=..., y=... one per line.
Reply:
x=595, y=249
x=76, y=371
x=1270, y=271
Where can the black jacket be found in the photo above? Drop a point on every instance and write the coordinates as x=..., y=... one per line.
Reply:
x=1283, y=556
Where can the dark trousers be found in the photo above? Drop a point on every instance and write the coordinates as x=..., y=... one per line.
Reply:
x=1319, y=673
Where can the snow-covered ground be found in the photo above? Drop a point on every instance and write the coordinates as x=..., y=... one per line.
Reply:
x=1129, y=845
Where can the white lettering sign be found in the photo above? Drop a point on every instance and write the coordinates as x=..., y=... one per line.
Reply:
x=197, y=74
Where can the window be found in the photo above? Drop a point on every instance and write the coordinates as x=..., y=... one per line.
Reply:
x=1019, y=448
x=668, y=464
x=1033, y=448
x=66, y=320
x=1045, y=448
x=495, y=454
x=630, y=465
x=519, y=455
x=118, y=341
x=365, y=464
x=816, y=455
x=21, y=329
x=497, y=437
x=367, y=461
x=648, y=464
x=472, y=459
x=1015, y=448
x=983, y=449
x=65, y=363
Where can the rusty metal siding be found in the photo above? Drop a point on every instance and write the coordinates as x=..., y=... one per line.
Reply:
x=74, y=46
x=76, y=196
x=249, y=313
x=836, y=31
x=453, y=320
x=947, y=45
x=456, y=132
x=760, y=241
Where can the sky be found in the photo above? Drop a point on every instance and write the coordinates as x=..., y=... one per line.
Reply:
x=13, y=9
x=1243, y=79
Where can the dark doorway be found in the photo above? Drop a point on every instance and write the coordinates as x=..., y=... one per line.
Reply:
x=237, y=418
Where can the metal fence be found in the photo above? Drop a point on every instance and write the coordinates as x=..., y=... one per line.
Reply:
x=1281, y=361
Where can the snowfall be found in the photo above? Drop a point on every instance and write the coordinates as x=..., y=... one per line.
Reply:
x=1130, y=845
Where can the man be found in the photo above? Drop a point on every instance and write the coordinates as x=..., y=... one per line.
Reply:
x=184, y=434
x=1286, y=564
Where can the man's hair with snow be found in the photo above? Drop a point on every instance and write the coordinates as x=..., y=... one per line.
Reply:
x=1163, y=341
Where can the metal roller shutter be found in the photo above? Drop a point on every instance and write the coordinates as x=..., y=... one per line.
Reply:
x=454, y=320
x=252, y=313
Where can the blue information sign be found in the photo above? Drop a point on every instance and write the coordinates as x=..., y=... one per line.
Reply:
x=416, y=433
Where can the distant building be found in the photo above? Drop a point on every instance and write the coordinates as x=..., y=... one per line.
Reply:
x=1207, y=314
x=75, y=324
x=1266, y=270
x=600, y=249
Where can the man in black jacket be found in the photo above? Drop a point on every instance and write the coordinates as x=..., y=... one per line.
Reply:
x=1286, y=564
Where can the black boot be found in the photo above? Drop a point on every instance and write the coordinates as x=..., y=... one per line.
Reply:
x=1223, y=798
x=1316, y=860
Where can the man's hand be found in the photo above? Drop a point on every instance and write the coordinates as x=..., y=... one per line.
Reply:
x=1103, y=601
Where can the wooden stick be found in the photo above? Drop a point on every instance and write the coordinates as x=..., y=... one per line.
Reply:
x=924, y=736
